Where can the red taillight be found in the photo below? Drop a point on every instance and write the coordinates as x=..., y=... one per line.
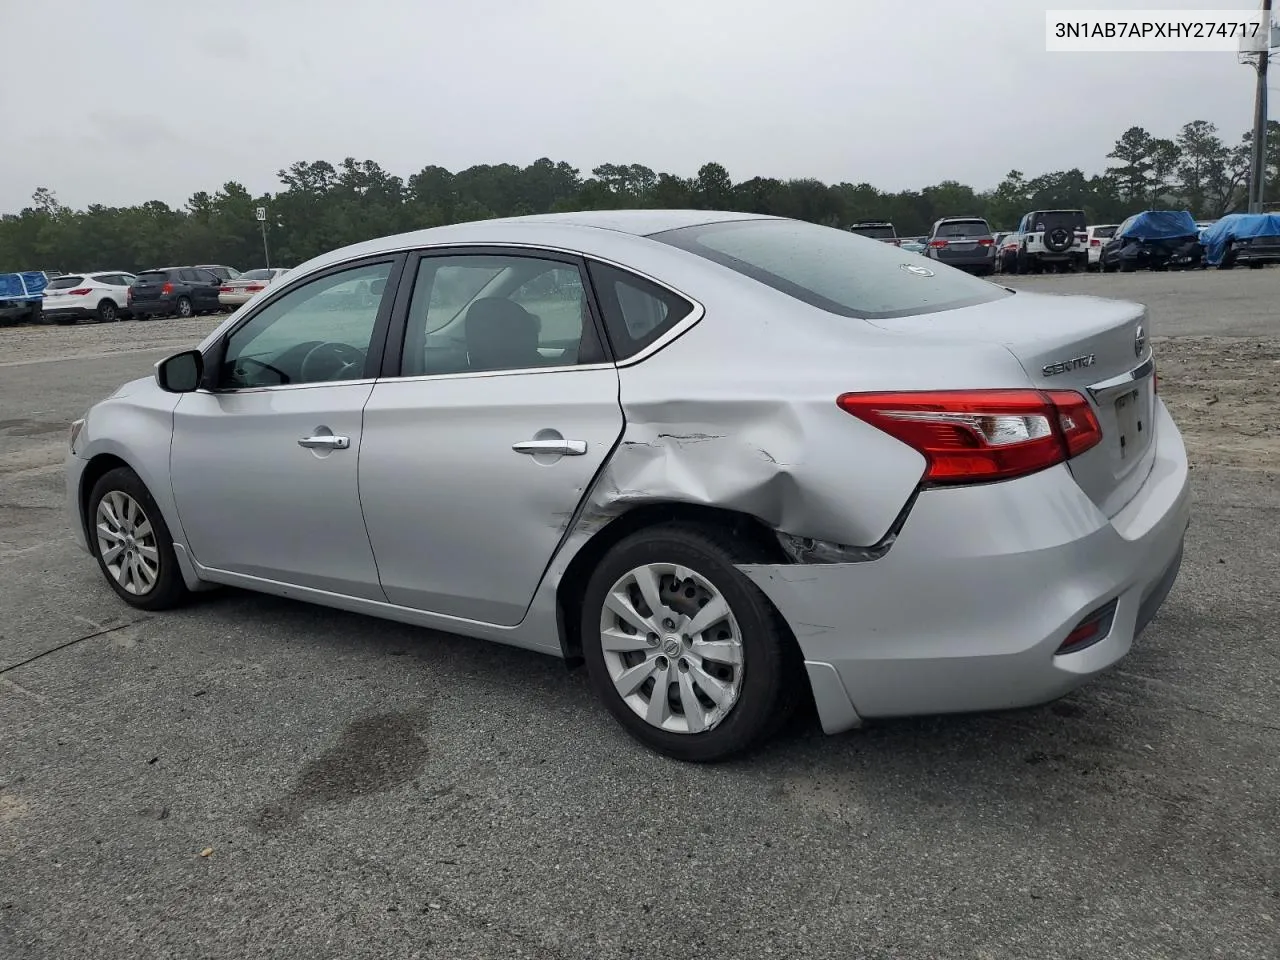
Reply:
x=128, y=295
x=253, y=288
x=937, y=244
x=987, y=242
x=224, y=289
x=1095, y=242
x=974, y=436
x=166, y=289
x=79, y=291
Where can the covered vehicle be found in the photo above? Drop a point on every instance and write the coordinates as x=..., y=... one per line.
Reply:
x=22, y=297
x=1155, y=240
x=1252, y=238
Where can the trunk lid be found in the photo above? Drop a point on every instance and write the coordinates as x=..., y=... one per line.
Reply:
x=1094, y=346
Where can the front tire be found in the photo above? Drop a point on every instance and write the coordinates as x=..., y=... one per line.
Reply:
x=686, y=653
x=132, y=543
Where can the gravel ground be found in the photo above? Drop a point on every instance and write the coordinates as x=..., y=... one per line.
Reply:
x=252, y=777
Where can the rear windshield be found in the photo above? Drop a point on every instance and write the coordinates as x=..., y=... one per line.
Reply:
x=1104, y=233
x=64, y=283
x=833, y=269
x=1053, y=219
x=256, y=275
x=876, y=233
x=152, y=276
x=964, y=228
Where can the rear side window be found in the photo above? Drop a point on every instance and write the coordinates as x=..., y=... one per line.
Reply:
x=64, y=283
x=833, y=270
x=963, y=228
x=636, y=311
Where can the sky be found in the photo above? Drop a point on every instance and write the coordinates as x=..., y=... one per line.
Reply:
x=123, y=101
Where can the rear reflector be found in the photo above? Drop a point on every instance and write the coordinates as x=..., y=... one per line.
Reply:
x=976, y=436
x=1093, y=628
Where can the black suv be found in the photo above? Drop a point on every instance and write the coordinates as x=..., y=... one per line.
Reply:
x=174, y=291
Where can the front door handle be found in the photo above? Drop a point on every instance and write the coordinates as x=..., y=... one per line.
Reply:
x=560, y=448
x=325, y=441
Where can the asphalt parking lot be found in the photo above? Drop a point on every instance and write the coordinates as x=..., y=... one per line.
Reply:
x=365, y=789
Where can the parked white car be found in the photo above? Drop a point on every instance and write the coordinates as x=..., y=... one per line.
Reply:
x=237, y=292
x=100, y=296
x=1098, y=236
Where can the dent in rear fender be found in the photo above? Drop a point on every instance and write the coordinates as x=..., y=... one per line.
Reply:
x=803, y=467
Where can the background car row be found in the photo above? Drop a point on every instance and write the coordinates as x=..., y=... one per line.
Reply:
x=1062, y=240
x=109, y=295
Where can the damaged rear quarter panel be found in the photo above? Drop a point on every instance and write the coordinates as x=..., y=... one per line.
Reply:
x=740, y=413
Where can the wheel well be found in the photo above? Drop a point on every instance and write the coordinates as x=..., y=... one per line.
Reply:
x=573, y=584
x=98, y=467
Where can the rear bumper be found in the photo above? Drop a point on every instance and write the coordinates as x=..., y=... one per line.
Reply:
x=159, y=305
x=78, y=312
x=234, y=299
x=984, y=259
x=967, y=610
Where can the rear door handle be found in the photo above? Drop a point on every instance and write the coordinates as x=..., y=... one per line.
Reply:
x=325, y=442
x=562, y=448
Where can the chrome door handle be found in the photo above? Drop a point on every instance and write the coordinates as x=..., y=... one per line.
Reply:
x=561, y=448
x=325, y=441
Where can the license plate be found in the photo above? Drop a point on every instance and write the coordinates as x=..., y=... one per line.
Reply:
x=1128, y=423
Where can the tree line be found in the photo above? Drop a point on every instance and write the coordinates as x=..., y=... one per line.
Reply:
x=321, y=206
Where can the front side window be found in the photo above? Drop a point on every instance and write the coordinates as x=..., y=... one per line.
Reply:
x=475, y=313
x=317, y=332
x=831, y=269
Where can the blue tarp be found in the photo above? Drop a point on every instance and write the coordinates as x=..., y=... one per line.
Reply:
x=1234, y=226
x=1159, y=225
x=23, y=286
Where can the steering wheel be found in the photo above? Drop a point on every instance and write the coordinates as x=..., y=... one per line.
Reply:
x=331, y=360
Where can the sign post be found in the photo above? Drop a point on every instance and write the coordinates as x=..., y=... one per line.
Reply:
x=262, y=221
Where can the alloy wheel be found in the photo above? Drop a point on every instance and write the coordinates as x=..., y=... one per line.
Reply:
x=672, y=647
x=127, y=543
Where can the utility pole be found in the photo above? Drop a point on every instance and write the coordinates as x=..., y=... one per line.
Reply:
x=261, y=220
x=1258, y=169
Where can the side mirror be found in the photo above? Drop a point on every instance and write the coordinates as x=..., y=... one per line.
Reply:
x=181, y=373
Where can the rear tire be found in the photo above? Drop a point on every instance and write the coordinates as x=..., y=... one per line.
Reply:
x=726, y=685
x=108, y=312
x=132, y=544
x=184, y=309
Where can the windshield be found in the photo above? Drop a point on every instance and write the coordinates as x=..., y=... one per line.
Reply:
x=834, y=270
x=152, y=276
x=963, y=228
x=1104, y=233
x=875, y=232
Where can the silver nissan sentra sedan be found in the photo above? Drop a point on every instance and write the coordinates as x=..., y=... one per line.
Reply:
x=728, y=461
